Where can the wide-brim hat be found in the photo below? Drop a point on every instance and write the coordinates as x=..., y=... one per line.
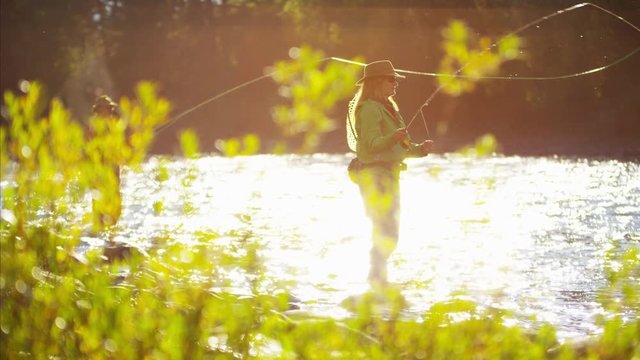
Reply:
x=379, y=69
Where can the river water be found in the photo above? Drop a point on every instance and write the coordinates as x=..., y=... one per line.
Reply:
x=526, y=234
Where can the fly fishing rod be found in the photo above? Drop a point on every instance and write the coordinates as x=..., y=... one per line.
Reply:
x=457, y=73
x=515, y=32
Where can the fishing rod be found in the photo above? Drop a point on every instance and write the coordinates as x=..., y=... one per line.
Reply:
x=457, y=74
x=519, y=30
x=504, y=77
x=211, y=99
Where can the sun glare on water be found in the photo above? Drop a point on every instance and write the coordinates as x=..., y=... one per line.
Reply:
x=526, y=234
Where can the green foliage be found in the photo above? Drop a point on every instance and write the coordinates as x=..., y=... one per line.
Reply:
x=621, y=336
x=313, y=92
x=249, y=144
x=142, y=118
x=56, y=162
x=472, y=61
x=485, y=145
x=175, y=299
x=623, y=271
x=162, y=175
x=189, y=144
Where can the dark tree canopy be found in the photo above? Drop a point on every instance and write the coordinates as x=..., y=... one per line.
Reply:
x=196, y=49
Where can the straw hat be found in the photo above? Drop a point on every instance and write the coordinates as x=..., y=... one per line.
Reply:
x=377, y=69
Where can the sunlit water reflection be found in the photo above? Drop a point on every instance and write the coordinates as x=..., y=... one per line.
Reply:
x=524, y=234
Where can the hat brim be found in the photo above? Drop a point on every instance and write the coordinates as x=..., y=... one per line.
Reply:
x=395, y=75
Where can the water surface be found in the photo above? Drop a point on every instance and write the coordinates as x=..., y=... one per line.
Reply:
x=517, y=233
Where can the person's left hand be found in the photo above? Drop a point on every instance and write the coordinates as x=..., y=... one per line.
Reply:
x=426, y=146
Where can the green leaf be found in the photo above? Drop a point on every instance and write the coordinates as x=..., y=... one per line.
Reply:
x=251, y=144
x=189, y=143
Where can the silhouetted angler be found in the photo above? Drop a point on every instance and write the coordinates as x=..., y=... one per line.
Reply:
x=381, y=144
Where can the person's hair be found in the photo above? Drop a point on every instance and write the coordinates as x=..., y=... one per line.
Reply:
x=369, y=89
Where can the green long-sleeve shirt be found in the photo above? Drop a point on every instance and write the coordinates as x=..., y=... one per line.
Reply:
x=375, y=126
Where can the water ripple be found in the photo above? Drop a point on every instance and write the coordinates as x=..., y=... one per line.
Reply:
x=520, y=233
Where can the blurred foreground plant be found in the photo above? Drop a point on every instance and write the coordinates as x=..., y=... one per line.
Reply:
x=484, y=145
x=313, y=91
x=313, y=88
x=205, y=298
x=53, y=304
x=249, y=144
x=473, y=61
x=621, y=299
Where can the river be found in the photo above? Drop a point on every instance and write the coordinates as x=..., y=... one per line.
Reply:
x=525, y=234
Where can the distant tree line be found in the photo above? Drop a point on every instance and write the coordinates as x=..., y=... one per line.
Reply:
x=196, y=49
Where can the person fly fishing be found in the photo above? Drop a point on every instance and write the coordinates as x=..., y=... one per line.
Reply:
x=107, y=206
x=377, y=133
x=107, y=209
